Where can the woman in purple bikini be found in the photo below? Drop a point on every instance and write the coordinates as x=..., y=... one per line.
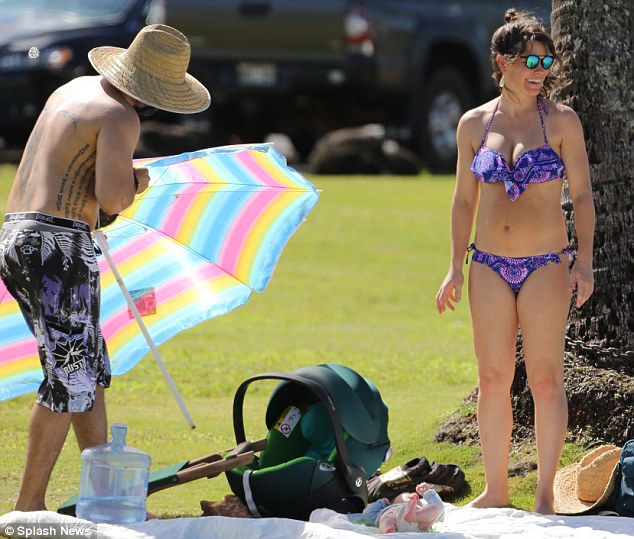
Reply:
x=514, y=153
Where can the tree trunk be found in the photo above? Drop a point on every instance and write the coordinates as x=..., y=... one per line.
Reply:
x=595, y=42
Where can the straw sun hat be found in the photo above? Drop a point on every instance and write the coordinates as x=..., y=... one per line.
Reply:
x=153, y=70
x=585, y=485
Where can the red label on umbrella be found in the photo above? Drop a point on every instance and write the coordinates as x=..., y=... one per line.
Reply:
x=144, y=300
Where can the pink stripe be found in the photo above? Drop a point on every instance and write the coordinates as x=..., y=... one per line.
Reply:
x=188, y=171
x=121, y=319
x=164, y=292
x=237, y=235
x=256, y=170
x=129, y=250
x=118, y=322
x=16, y=351
x=178, y=212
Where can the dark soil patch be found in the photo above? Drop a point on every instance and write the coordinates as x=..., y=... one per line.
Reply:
x=600, y=388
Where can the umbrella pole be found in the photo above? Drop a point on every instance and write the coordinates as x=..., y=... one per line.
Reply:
x=103, y=244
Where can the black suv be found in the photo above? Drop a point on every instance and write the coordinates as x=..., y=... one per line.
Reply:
x=45, y=43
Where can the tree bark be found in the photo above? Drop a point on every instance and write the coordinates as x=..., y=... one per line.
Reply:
x=595, y=40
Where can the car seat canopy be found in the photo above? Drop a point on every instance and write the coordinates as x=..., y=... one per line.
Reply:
x=363, y=414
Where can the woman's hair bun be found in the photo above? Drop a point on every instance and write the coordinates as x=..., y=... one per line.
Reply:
x=513, y=14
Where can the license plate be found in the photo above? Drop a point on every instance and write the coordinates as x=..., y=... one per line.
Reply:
x=256, y=74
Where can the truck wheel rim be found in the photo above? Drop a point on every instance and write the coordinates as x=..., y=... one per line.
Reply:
x=444, y=114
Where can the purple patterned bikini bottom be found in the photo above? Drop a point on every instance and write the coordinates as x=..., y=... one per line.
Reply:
x=516, y=270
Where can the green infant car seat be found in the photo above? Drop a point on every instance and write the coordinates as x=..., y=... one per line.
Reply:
x=327, y=433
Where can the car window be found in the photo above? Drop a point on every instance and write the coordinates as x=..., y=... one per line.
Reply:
x=82, y=8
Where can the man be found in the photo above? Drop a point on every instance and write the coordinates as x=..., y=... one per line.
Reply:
x=79, y=160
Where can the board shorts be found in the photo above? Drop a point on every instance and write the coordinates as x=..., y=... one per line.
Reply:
x=49, y=266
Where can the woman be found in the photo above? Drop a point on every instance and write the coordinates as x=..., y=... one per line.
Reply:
x=513, y=153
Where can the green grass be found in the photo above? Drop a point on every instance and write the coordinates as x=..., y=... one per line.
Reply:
x=355, y=285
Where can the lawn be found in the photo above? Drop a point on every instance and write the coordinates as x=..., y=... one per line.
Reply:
x=356, y=286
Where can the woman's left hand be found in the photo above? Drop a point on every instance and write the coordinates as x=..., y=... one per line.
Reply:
x=581, y=278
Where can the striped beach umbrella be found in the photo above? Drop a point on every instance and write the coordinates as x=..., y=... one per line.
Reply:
x=205, y=234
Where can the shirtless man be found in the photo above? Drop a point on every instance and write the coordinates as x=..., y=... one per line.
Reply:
x=78, y=160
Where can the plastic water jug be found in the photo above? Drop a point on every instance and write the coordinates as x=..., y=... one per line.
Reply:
x=114, y=479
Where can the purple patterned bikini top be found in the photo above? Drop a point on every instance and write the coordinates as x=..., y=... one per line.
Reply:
x=533, y=166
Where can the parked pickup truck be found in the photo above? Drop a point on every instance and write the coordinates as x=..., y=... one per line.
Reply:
x=429, y=62
x=306, y=67
x=299, y=67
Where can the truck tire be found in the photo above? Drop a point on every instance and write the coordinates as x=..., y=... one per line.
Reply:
x=445, y=99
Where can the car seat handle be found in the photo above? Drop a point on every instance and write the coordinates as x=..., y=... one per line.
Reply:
x=355, y=477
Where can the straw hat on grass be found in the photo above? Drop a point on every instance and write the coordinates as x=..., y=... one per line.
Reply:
x=587, y=485
x=153, y=70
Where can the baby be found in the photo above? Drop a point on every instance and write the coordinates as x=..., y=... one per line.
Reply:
x=406, y=513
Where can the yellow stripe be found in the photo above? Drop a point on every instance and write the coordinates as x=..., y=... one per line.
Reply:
x=254, y=241
x=209, y=173
x=189, y=226
x=273, y=170
x=167, y=308
x=29, y=363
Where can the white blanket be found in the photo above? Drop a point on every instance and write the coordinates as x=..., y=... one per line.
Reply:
x=460, y=522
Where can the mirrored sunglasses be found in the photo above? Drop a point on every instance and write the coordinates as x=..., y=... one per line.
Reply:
x=532, y=61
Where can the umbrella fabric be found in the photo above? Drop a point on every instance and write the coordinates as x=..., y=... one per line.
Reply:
x=208, y=231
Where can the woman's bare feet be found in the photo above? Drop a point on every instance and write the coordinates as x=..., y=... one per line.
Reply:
x=486, y=500
x=544, y=499
x=545, y=505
